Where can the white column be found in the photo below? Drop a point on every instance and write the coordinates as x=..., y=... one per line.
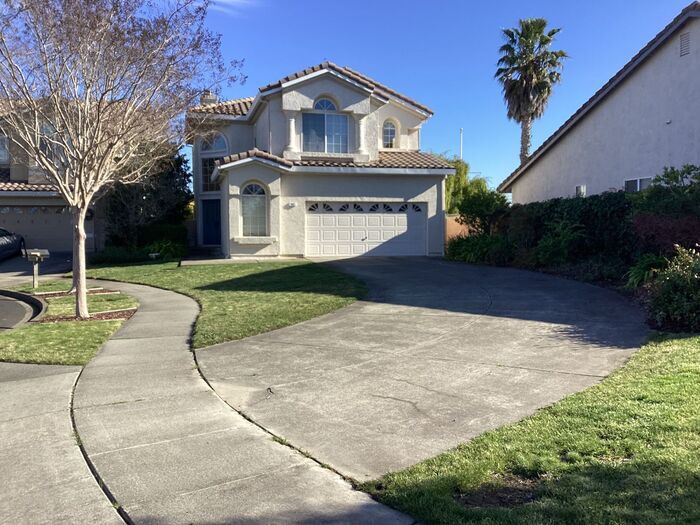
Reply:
x=291, y=133
x=362, y=138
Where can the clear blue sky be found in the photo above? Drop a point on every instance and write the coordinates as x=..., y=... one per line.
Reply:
x=441, y=53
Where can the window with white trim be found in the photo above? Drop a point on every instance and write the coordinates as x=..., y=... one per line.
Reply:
x=4, y=150
x=212, y=147
x=254, y=210
x=635, y=185
x=389, y=134
x=325, y=130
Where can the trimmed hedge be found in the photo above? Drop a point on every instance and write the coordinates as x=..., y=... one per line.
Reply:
x=642, y=238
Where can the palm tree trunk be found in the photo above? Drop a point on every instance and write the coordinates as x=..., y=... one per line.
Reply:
x=525, y=135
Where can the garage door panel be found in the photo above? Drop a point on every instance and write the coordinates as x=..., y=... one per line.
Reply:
x=374, y=235
x=349, y=232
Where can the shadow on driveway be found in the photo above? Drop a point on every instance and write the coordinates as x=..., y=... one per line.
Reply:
x=438, y=353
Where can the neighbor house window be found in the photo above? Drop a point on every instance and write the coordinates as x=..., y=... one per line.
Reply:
x=4, y=150
x=212, y=147
x=389, y=134
x=634, y=185
x=581, y=190
x=324, y=130
x=254, y=211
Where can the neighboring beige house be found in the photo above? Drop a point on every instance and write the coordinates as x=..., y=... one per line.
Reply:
x=645, y=118
x=324, y=162
x=33, y=208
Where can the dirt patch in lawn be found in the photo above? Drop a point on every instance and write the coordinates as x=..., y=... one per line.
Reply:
x=507, y=490
x=100, y=316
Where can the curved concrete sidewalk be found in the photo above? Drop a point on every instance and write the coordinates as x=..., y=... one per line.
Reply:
x=44, y=476
x=170, y=451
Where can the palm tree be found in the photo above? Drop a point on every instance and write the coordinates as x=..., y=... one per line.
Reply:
x=528, y=70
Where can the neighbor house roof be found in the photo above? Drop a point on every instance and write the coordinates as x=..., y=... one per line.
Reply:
x=236, y=107
x=9, y=185
x=691, y=11
x=242, y=106
x=387, y=159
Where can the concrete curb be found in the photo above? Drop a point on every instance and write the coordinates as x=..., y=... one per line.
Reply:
x=38, y=306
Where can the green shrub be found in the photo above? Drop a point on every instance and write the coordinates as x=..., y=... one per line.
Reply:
x=167, y=249
x=556, y=246
x=481, y=209
x=599, y=268
x=151, y=233
x=675, y=295
x=481, y=249
x=119, y=255
x=645, y=269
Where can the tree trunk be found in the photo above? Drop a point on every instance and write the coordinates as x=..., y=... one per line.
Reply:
x=525, y=132
x=81, y=307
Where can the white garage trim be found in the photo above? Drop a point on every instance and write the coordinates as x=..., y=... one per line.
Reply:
x=366, y=228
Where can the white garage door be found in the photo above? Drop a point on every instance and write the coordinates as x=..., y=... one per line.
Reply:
x=348, y=229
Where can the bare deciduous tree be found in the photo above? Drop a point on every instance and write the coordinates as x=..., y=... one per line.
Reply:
x=92, y=91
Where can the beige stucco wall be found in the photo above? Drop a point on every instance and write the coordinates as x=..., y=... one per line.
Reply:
x=649, y=121
x=270, y=129
x=288, y=194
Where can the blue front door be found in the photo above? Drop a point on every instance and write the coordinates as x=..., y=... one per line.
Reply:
x=211, y=221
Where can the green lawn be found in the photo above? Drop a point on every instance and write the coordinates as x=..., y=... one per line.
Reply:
x=63, y=342
x=240, y=300
x=624, y=451
x=61, y=306
x=60, y=343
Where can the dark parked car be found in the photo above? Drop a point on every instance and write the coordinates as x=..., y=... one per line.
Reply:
x=11, y=244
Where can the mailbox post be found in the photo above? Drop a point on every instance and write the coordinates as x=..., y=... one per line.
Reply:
x=35, y=256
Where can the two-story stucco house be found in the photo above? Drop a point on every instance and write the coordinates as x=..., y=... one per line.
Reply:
x=324, y=162
x=644, y=118
x=33, y=208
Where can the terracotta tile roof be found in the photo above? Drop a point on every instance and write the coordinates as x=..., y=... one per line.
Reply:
x=25, y=186
x=358, y=77
x=387, y=159
x=7, y=185
x=253, y=153
x=241, y=106
x=237, y=107
x=692, y=9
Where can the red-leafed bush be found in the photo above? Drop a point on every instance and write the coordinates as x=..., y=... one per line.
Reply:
x=659, y=233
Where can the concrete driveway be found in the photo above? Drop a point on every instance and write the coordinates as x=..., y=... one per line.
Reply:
x=438, y=353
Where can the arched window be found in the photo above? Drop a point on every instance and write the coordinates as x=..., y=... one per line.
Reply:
x=254, y=210
x=325, y=104
x=389, y=134
x=214, y=142
x=324, y=130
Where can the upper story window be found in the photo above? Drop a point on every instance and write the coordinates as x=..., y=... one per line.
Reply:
x=213, y=143
x=389, y=134
x=324, y=130
x=213, y=146
x=4, y=150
